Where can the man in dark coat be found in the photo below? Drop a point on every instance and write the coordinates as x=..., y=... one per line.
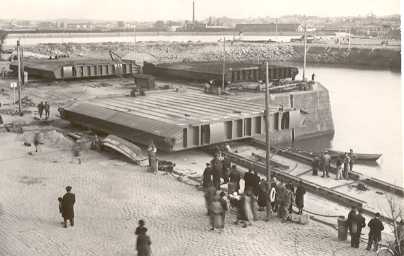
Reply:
x=68, y=201
x=143, y=243
x=375, y=232
x=248, y=179
x=300, y=191
x=255, y=183
x=355, y=223
x=207, y=176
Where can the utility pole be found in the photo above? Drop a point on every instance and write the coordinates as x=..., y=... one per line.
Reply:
x=20, y=70
x=224, y=62
x=134, y=44
x=267, y=137
x=305, y=52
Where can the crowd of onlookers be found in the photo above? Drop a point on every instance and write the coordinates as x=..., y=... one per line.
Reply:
x=258, y=194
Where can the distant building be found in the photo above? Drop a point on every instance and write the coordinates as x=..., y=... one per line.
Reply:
x=270, y=27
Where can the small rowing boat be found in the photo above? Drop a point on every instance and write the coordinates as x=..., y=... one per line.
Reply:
x=358, y=156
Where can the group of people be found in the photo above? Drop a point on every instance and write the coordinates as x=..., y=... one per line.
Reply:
x=343, y=164
x=44, y=107
x=356, y=222
x=258, y=194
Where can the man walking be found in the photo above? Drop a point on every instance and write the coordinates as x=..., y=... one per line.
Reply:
x=68, y=201
x=375, y=232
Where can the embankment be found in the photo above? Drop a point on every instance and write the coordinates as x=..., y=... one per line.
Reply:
x=373, y=57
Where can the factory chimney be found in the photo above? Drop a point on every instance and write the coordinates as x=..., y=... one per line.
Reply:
x=193, y=12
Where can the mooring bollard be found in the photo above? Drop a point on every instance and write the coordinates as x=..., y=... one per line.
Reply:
x=342, y=229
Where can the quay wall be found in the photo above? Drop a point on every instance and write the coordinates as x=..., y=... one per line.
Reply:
x=315, y=106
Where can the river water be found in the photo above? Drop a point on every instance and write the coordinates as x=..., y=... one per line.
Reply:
x=366, y=108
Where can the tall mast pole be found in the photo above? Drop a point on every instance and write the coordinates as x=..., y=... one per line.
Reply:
x=19, y=76
x=267, y=137
x=224, y=62
x=305, y=52
x=134, y=43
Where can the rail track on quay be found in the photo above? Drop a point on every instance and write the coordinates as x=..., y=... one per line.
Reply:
x=278, y=170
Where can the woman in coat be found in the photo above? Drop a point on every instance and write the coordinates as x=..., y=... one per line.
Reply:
x=300, y=191
x=143, y=243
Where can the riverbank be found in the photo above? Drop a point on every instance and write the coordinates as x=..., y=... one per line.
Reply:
x=357, y=55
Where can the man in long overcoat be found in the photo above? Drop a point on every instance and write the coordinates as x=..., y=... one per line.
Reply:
x=68, y=201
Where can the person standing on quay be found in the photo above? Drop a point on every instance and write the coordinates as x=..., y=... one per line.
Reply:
x=300, y=191
x=375, y=232
x=355, y=224
x=216, y=213
x=40, y=109
x=225, y=206
x=68, y=201
x=346, y=166
x=339, y=169
x=234, y=180
x=47, y=110
x=152, y=150
x=327, y=160
x=207, y=177
x=351, y=159
x=143, y=242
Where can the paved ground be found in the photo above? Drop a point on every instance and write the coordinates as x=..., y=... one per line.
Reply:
x=112, y=196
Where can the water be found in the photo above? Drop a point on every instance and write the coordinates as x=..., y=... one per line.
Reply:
x=57, y=38
x=366, y=108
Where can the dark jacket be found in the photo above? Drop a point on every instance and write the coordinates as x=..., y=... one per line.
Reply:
x=355, y=222
x=143, y=243
x=207, y=177
x=376, y=227
x=67, y=205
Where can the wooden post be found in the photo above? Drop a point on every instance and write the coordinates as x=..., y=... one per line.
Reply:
x=267, y=137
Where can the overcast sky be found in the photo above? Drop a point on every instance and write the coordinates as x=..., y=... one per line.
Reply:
x=148, y=10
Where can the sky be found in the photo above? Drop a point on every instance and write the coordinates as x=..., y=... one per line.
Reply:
x=150, y=10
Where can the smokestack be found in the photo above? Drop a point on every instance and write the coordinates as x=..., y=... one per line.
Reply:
x=193, y=12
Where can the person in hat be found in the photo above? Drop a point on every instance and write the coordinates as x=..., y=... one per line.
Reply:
x=143, y=241
x=375, y=232
x=141, y=228
x=68, y=201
